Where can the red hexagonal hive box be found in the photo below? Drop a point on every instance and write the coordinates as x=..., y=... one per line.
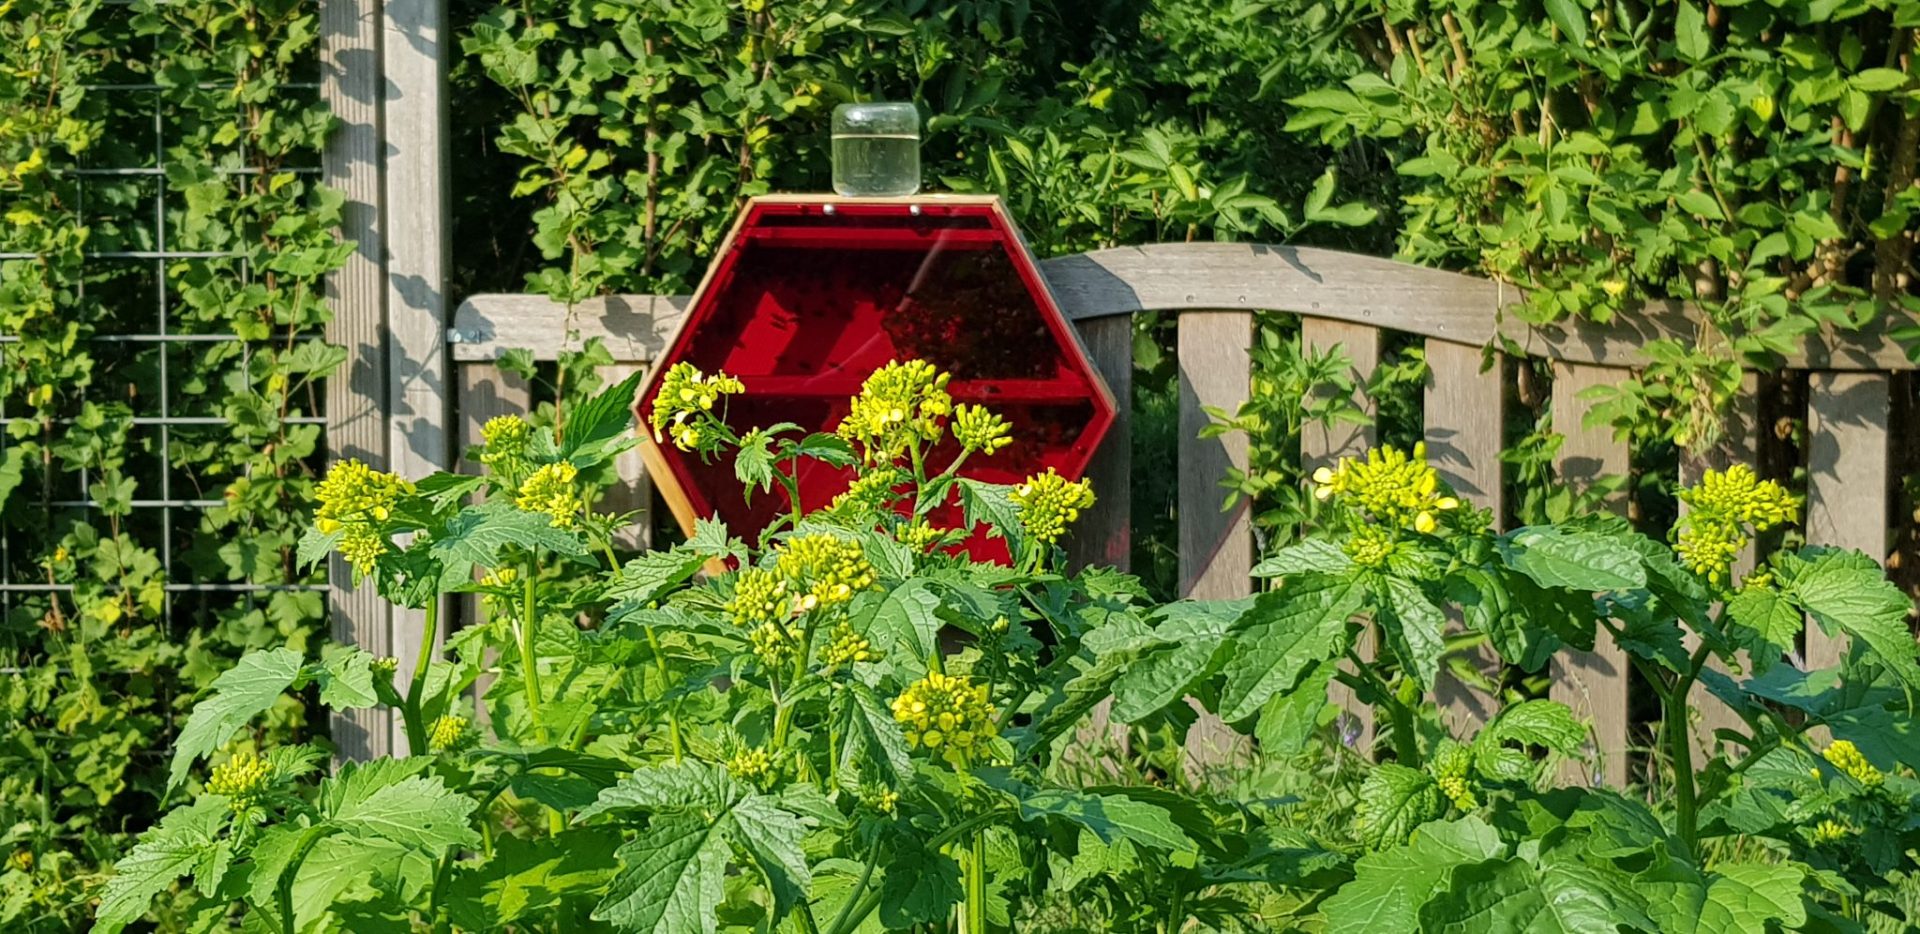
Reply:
x=810, y=294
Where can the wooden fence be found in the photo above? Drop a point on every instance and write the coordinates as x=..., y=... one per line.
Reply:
x=1344, y=300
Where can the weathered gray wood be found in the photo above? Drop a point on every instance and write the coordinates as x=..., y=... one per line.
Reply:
x=1848, y=482
x=1465, y=428
x=635, y=327
x=357, y=394
x=1104, y=536
x=1739, y=444
x=486, y=391
x=632, y=492
x=1216, y=547
x=1324, y=446
x=1328, y=284
x=1595, y=684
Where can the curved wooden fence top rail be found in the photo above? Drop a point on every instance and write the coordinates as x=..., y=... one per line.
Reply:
x=1328, y=284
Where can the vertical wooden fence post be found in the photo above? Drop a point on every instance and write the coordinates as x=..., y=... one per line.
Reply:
x=1848, y=485
x=1594, y=684
x=1216, y=547
x=1465, y=427
x=413, y=52
x=1105, y=536
x=486, y=391
x=1324, y=446
x=357, y=392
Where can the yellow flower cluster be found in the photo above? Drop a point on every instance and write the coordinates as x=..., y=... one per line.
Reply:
x=506, y=439
x=1830, y=831
x=21, y=860
x=450, y=732
x=684, y=393
x=1370, y=545
x=947, y=715
x=823, y=571
x=551, y=490
x=1452, y=768
x=899, y=405
x=751, y=765
x=241, y=779
x=870, y=492
x=979, y=430
x=759, y=596
x=384, y=667
x=1393, y=487
x=921, y=535
x=501, y=578
x=879, y=797
x=1738, y=493
x=848, y=647
x=356, y=501
x=1721, y=508
x=1846, y=757
x=1048, y=502
x=775, y=644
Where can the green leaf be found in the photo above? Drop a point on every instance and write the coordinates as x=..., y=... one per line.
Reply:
x=1571, y=19
x=1701, y=203
x=315, y=546
x=1876, y=80
x=164, y=853
x=753, y=462
x=920, y=887
x=1190, y=635
x=905, y=625
x=671, y=878
x=1394, y=800
x=1497, y=895
x=556, y=877
x=478, y=533
x=773, y=836
x=1314, y=554
x=378, y=800
x=688, y=785
x=242, y=692
x=1109, y=817
x=346, y=678
x=1536, y=723
x=1285, y=633
x=1847, y=592
x=1573, y=559
x=1772, y=621
x=1690, y=32
x=1415, y=628
x=992, y=504
x=1287, y=723
x=649, y=577
x=602, y=418
x=875, y=745
x=1736, y=898
x=1390, y=886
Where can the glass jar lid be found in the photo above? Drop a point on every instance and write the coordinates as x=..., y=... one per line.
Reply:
x=880, y=118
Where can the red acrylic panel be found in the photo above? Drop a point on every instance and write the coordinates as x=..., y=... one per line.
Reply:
x=810, y=295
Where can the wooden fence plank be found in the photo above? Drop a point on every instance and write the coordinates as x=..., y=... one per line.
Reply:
x=1324, y=446
x=415, y=124
x=1848, y=482
x=1739, y=444
x=1216, y=547
x=357, y=394
x=486, y=391
x=632, y=491
x=1465, y=430
x=1595, y=684
x=1105, y=536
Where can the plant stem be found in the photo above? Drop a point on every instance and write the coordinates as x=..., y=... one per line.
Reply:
x=859, y=889
x=1406, y=746
x=673, y=715
x=530, y=668
x=1680, y=748
x=410, y=711
x=974, y=865
x=284, y=888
